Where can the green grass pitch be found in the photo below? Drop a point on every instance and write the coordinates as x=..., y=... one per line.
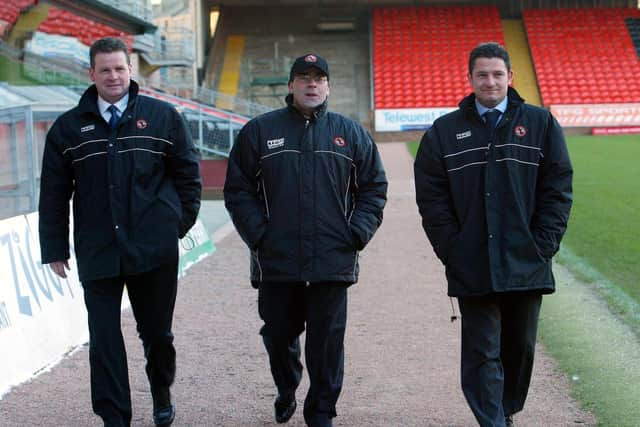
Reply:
x=604, y=228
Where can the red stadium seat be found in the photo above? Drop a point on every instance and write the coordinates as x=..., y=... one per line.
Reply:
x=65, y=23
x=583, y=55
x=416, y=48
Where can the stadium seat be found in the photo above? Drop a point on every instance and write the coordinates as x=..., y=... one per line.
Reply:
x=584, y=56
x=420, y=53
x=10, y=11
x=65, y=23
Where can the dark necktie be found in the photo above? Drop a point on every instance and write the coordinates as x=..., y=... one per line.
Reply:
x=491, y=118
x=115, y=117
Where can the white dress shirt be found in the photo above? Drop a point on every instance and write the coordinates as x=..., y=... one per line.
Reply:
x=502, y=107
x=103, y=107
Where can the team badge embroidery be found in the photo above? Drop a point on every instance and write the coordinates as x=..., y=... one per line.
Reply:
x=339, y=141
x=520, y=131
x=310, y=58
x=141, y=124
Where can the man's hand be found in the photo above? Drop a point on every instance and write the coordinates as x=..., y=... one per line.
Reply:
x=59, y=268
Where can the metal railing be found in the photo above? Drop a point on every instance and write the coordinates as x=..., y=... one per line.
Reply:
x=241, y=105
x=174, y=44
x=23, y=132
x=213, y=130
x=53, y=71
x=211, y=136
x=22, y=135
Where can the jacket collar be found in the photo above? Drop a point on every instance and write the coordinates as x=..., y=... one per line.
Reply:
x=89, y=101
x=468, y=104
x=317, y=114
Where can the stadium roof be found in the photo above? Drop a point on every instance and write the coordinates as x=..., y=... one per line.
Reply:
x=41, y=98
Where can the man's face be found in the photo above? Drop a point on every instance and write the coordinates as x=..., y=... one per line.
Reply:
x=111, y=74
x=490, y=80
x=309, y=90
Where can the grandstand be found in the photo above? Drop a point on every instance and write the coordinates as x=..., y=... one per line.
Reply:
x=413, y=45
x=65, y=23
x=584, y=56
x=396, y=65
x=412, y=55
x=388, y=58
x=47, y=43
x=10, y=11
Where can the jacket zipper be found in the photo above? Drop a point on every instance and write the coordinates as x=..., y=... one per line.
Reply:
x=300, y=273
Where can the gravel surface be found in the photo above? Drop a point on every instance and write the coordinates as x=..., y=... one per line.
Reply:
x=402, y=350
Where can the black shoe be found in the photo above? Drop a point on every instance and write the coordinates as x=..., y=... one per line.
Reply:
x=508, y=421
x=114, y=422
x=284, y=408
x=163, y=410
x=164, y=417
x=317, y=421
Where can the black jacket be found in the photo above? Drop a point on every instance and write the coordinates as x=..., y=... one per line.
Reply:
x=305, y=195
x=135, y=189
x=495, y=207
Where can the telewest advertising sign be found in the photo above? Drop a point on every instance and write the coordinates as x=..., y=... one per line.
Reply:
x=407, y=119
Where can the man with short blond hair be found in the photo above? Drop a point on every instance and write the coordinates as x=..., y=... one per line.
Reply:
x=131, y=168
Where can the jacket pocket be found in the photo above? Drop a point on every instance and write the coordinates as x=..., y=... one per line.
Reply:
x=351, y=236
x=277, y=243
x=449, y=247
x=173, y=205
x=545, y=251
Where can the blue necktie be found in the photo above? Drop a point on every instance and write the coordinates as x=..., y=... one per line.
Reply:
x=115, y=117
x=491, y=118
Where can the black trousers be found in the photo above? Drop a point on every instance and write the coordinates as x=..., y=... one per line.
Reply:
x=286, y=308
x=152, y=295
x=498, y=346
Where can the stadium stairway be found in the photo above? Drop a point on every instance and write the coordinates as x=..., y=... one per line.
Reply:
x=230, y=76
x=27, y=23
x=633, y=25
x=275, y=35
x=524, y=80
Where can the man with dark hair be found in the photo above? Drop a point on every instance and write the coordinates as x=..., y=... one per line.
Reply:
x=489, y=50
x=493, y=186
x=108, y=45
x=305, y=188
x=130, y=165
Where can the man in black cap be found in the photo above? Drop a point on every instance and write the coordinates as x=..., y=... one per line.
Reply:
x=305, y=189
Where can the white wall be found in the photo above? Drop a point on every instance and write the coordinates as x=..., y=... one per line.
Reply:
x=43, y=317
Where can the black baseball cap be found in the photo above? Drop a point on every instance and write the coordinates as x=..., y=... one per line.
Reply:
x=310, y=60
